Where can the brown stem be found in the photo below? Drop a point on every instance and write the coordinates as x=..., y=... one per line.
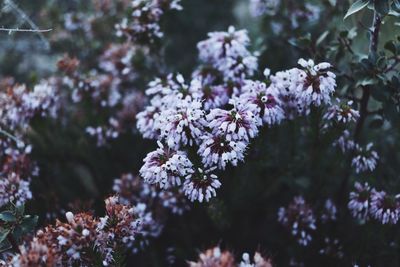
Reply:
x=373, y=47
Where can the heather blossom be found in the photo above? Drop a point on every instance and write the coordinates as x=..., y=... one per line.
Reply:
x=342, y=113
x=300, y=220
x=365, y=159
x=237, y=124
x=218, y=151
x=266, y=101
x=345, y=142
x=201, y=185
x=165, y=167
x=286, y=83
x=211, y=93
x=316, y=82
x=359, y=202
x=81, y=237
x=143, y=25
x=227, y=52
x=14, y=189
x=384, y=208
x=182, y=125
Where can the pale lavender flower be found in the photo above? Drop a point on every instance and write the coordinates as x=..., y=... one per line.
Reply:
x=365, y=159
x=345, y=142
x=299, y=218
x=342, y=113
x=227, y=52
x=201, y=184
x=286, y=84
x=165, y=167
x=211, y=95
x=360, y=200
x=182, y=125
x=144, y=23
x=146, y=121
x=218, y=151
x=237, y=124
x=14, y=189
x=384, y=208
x=266, y=101
x=329, y=212
x=316, y=82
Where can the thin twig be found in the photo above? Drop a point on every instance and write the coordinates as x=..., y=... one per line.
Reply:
x=20, y=13
x=373, y=47
x=11, y=30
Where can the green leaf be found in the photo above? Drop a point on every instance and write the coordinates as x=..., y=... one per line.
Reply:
x=356, y=6
x=322, y=37
x=7, y=216
x=3, y=234
x=396, y=4
x=366, y=81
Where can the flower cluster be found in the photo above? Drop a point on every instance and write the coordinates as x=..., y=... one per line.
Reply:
x=201, y=185
x=301, y=220
x=365, y=159
x=81, y=238
x=165, y=167
x=366, y=202
x=342, y=113
x=106, y=90
x=14, y=189
x=220, y=110
x=18, y=106
x=143, y=25
x=215, y=257
x=227, y=52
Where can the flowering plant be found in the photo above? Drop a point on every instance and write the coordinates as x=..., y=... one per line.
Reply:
x=265, y=126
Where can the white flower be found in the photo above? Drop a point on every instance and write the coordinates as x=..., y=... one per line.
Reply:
x=183, y=124
x=385, y=208
x=165, y=167
x=237, y=124
x=342, y=113
x=316, y=82
x=345, y=143
x=210, y=94
x=201, y=185
x=13, y=189
x=359, y=202
x=218, y=151
x=299, y=218
x=265, y=100
x=365, y=159
x=285, y=84
x=227, y=52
